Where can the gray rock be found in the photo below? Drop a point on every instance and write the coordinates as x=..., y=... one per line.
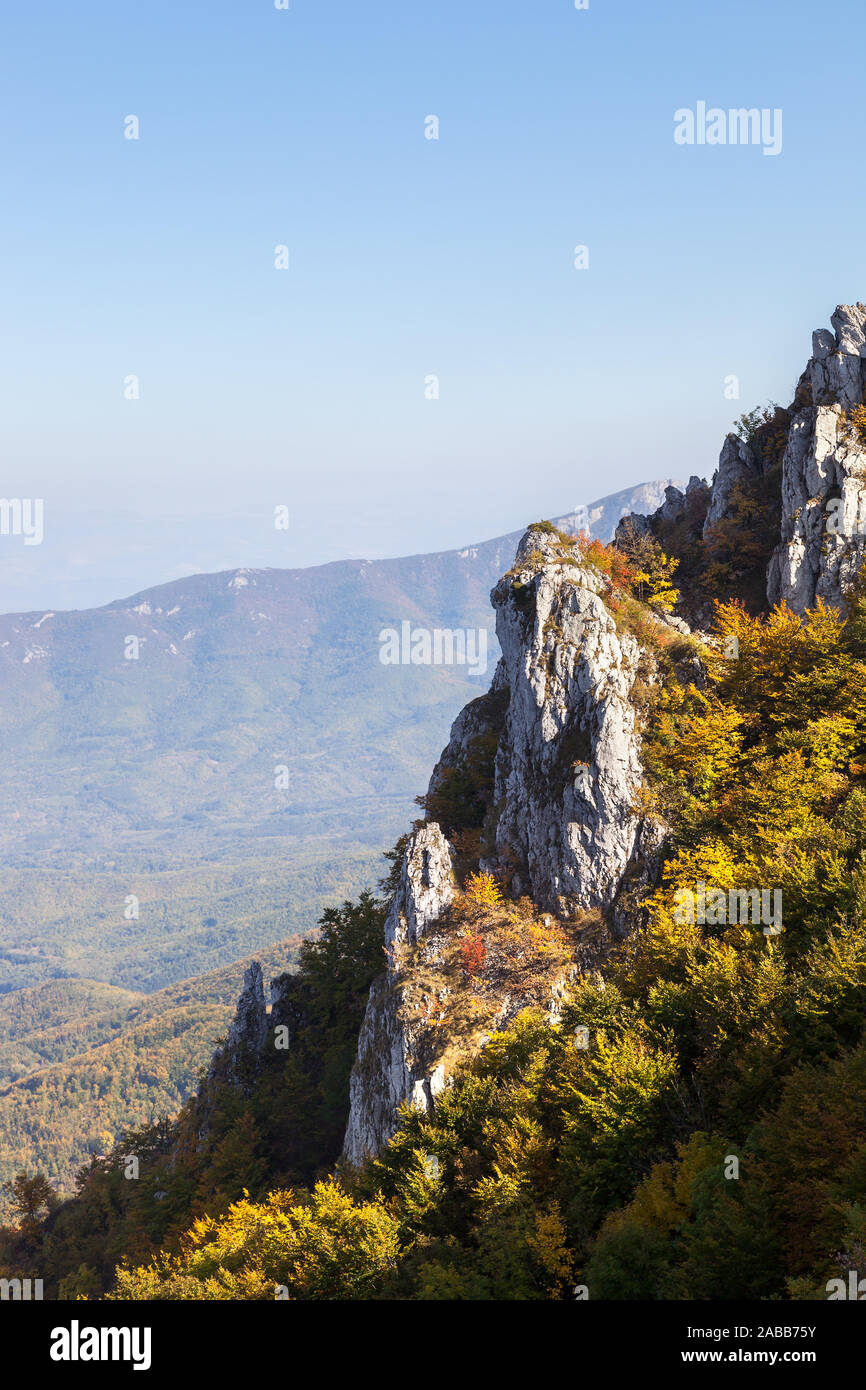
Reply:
x=238, y=1061
x=737, y=464
x=672, y=506
x=249, y=1029
x=567, y=769
x=386, y=1072
x=837, y=378
x=567, y=766
x=823, y=342
x=849, y=321
x=426, y=888
x=823, y=529
x=821, y=539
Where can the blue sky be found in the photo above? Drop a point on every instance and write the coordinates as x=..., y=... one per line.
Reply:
x=408, y=258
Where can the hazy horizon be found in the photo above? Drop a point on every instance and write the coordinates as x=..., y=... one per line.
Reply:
x=97, y=572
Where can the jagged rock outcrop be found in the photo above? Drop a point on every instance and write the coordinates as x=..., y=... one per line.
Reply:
x=823, y=539
x=249, y=1028
x=738, y=464
x=237, y=1061
x=563, y=828
x=560, y=826
x=426, y=888
x=641, y=877
x=675, y=507
x=554, y=810
x=386, y=1072
x=567, y=766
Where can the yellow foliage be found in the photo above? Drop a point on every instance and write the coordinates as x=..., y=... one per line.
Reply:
x=548, y=1243
x=324, y=1246
x=483, y=890
x=662, y=1199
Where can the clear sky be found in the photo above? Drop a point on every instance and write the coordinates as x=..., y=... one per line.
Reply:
x=408, y=258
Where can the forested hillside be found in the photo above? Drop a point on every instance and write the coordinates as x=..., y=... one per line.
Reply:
x=85, y=1061
x=603, y=1035
x=208, y=798
x=681, y=1152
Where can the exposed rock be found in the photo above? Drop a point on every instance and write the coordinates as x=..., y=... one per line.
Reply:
x=823, y=343
x=562, y=829
x=238, y=1061
x=600, y=518
x=672, y=505
x=849, y=322
x=567, y=770
x=289, y=997
x=629, y=527
x=642, y=876
x=385, y=1072
x=737, y=464
x=690, y=506
x=381, y=1077
x=426, y=888
x=567, y=767
x=249, y=1029
x=822, y=537
x=823, y=473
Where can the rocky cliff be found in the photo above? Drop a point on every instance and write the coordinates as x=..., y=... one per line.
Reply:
x=558, y=734
x=817, y=446
x=391, y=1068
x=561, y=830
x=552, y=753
x=567, y=765
x=821, y=546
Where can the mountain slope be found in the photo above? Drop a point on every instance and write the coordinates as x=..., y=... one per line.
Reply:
x=58, y=1019
x=75, y=1092
x=619, y=1036
x=150, y=791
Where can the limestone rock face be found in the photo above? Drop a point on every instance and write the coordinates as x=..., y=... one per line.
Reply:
x=821, y=543
x=737, y=464
x=249, y=1029
x=823, y=528
x=239, y=1060
x=567, y=766
x=386, y=1072
x=426, y=888
x=561, y=828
